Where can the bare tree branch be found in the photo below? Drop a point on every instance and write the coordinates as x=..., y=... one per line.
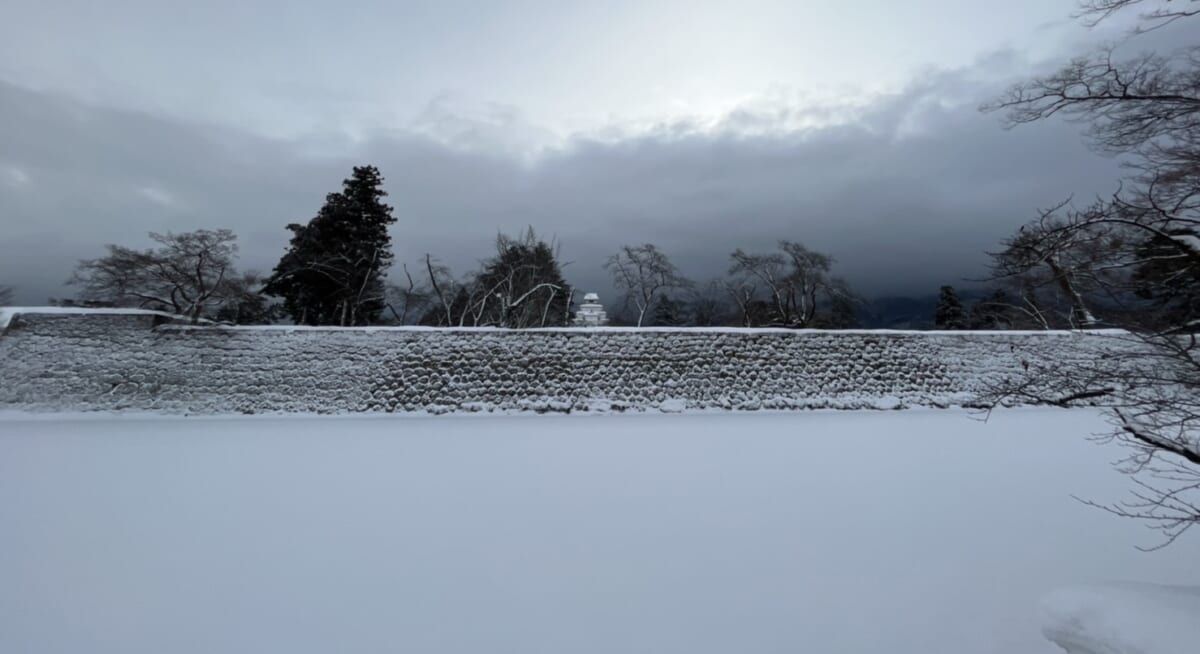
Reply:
x=188, y=274
x=1130, y=261
x=645, y=274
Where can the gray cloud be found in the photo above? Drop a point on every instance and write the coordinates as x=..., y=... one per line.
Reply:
x=906, y=191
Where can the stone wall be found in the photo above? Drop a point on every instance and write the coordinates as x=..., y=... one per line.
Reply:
x=147, y=362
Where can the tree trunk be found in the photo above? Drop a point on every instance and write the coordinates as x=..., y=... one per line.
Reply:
x=1067, y=286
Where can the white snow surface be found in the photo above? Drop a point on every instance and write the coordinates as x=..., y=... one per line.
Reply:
x=1126, y=618
x=8, y=313
x=916, y=532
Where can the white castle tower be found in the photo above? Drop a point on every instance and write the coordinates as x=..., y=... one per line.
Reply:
x=591, y=313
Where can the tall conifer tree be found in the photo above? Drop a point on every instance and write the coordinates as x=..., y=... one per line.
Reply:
x=949, y=313
x=332, y=273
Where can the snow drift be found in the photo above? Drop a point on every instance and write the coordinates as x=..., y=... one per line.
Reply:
x=849, y=532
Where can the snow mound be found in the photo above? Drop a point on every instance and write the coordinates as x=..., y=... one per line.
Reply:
x=8, y=313
x=673, y=406
x=1124, y=618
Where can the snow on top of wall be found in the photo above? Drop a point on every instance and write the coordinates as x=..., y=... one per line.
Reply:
x=8, y=313
x=652, y=330
x=1190, y=240
x=1123, y=618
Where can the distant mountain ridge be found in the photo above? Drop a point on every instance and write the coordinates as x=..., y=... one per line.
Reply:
x=904, y=312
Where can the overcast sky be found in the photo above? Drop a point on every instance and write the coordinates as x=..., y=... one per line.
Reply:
x=700, y=126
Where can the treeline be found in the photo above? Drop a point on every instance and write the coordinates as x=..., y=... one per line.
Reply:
x=997, y=309
x=336, y=266
x=1056, y=273
x=1119, y=263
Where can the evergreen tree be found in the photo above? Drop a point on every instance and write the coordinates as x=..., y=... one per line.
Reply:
x=522, y=286
x=1168, y=282
x=949, y=313
x=332, y=273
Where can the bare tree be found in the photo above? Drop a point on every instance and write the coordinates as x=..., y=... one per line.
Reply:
x=1149, y=386
x=1136, y=255
x=6, y=295
x=645, y=274
x=1070, y=253
x=748, y=273
x=190, y=273
x=1161, y=12
x=781, y=289
x=709, y=306
x=408, y=299
x=442, y=289
x=810, y=275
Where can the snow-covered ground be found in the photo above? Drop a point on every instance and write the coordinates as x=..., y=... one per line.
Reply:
x=913, y=532
x=1124, y=618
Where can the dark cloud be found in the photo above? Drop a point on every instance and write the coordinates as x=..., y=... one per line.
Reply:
x=907, y=192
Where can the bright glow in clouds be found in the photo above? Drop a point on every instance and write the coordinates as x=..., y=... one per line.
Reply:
x=156, y=195
x=14, y=176
x=296, y=68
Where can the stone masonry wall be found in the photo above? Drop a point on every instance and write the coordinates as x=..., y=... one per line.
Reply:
x=146, y=362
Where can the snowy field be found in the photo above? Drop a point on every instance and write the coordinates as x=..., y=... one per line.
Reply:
x=911, y=532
